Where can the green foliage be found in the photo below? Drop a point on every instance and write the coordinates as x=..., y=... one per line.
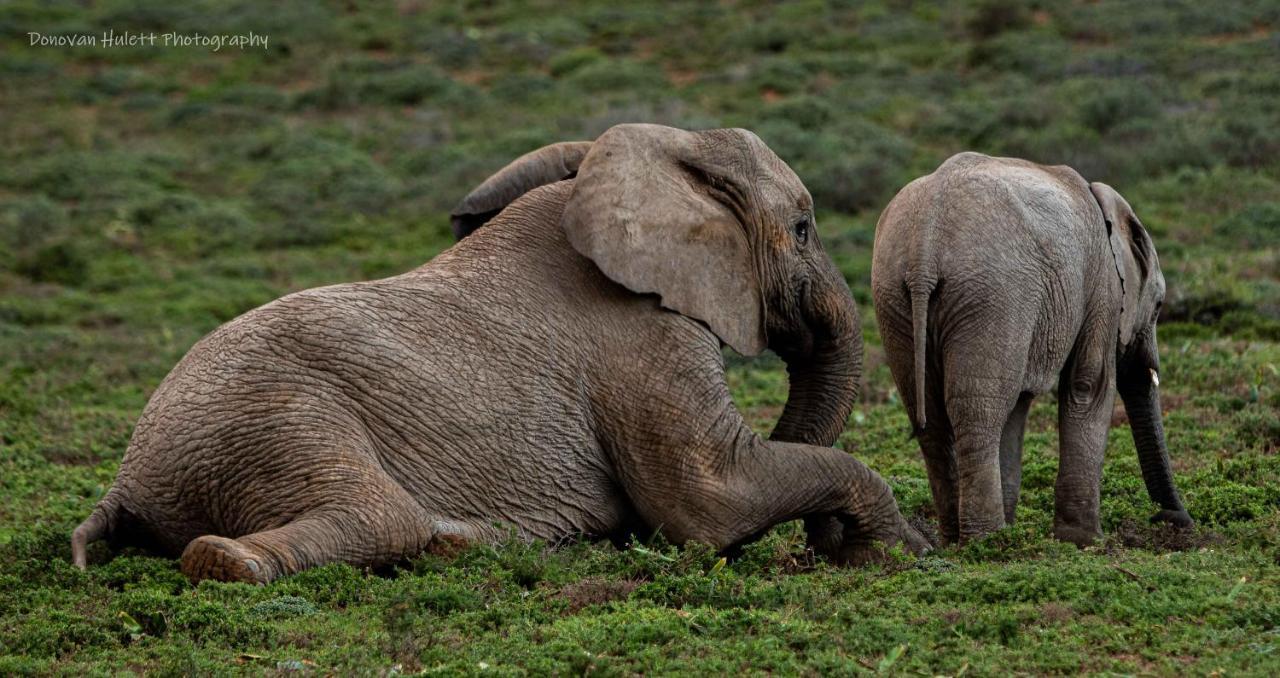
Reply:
x=283, y=606
x=147, y=195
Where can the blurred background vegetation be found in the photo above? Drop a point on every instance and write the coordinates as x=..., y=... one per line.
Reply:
x=149, y=194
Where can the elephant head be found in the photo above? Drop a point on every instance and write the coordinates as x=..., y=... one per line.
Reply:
x=1137, y=354
x=722, y=231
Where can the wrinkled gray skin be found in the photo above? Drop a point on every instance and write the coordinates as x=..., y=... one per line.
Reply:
x=993, y=279
x=529, y=378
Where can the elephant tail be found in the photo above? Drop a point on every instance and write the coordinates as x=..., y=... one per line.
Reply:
x=920, y=293
x=100, y=524
x=546, y=165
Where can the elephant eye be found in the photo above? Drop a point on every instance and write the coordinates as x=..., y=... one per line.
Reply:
x=802, y=229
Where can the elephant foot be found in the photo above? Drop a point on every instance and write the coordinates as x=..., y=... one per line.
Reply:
x=824, y=534
x=221, y=559
x=1176, y=518
x=863, y=550
x=948, y=537
x=919, y=540
x=1079, y=536
x=974, y=529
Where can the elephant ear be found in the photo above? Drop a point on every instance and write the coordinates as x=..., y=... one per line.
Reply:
x=654, y=212
x=1132, y=250
x=546, y=165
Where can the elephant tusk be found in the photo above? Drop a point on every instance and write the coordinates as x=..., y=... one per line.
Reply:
x=1155, y=376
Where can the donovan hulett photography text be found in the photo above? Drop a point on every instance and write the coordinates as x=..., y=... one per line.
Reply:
x=214, y=42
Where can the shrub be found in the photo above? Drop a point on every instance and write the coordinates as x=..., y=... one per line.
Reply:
x=572, y=60
x=616, y=75
x=1248, y=138
x=364, y=82
x=61, y=262
x=311, y=183
x=990, y=18
x=847, y=168
x=283, y=607
x=29, y=221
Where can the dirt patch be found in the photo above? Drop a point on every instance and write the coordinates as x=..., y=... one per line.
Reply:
x=1161, y=537
x=1259, y=32
x=1056, y=613
x=682, y=78
x=595, y=591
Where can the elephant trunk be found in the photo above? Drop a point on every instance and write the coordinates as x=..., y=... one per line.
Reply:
x=1138, y=384
x=824, y=367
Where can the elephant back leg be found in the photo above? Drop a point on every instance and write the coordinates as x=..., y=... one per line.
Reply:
x=938, y=446
x=983, y=374
x=1011, y=455
x=936, y=439
x=358, y=515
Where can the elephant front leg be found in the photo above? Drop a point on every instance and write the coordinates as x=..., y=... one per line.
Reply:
x=1085, y=401
x=727, y=503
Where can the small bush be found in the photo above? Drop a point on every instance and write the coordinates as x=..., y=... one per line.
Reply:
x=29, y=222
x=62, y=262
x=283, y=607
x=1257, y=225
x=364, y=82
x=572, y=60
x=616, y=75
x=990, y=18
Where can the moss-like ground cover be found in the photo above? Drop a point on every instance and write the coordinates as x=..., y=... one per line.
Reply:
x=149, y=194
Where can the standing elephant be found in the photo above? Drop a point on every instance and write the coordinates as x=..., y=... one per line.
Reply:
x=992, y=278
x=556, y=373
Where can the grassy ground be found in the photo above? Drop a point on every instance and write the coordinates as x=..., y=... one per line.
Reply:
x=149, y=194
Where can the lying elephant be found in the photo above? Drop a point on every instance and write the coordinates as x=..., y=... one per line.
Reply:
x=994, y=277
x=558, y=373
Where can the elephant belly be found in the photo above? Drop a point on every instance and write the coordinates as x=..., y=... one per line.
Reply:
x=541, y=482
x=494, y=441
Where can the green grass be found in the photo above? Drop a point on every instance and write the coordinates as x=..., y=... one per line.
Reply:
x=148, y=195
